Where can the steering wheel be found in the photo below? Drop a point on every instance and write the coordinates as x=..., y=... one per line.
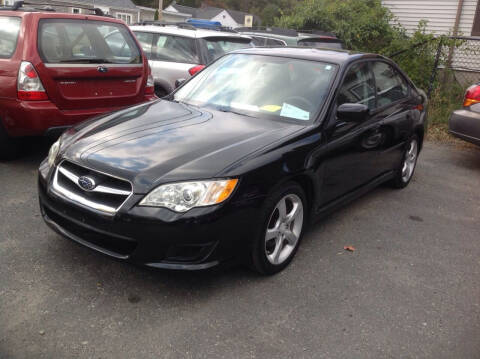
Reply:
x=303, y=103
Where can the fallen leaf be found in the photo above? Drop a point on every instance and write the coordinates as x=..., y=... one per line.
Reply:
x=349, y=248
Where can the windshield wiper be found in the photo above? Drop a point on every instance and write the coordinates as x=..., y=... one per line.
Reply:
x=231, y=110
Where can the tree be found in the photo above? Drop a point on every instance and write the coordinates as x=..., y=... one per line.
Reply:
x=363, y=25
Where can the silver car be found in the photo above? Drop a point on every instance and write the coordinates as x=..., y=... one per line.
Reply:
x=179, y=52
x=465, y=123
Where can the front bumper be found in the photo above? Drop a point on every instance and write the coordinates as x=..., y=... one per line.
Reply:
x=465, y=124
x=155, y=237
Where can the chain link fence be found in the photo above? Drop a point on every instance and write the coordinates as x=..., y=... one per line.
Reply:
x=435, y=63
x=466, y=61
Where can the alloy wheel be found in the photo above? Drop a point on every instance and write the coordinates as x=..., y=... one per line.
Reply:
x=410, y=160
x=284, y=229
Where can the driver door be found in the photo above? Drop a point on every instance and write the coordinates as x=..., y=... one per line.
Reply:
x=351, y=145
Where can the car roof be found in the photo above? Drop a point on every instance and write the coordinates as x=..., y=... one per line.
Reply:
x=193, y=33
x=335, y=56
x=23, y=13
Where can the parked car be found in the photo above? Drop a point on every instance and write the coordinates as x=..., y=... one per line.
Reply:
x=274, y=37
x=179, y=51
x=319, y=39
x=465, y=123
x=237, y=161
x=59, y=69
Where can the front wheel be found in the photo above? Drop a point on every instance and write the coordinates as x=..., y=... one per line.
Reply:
x=405, y=173
x=284, y=221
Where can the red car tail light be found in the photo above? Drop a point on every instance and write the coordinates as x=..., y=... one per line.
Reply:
x=196, y=69
x=150, y=87
x=29, y=85
x=472, y=96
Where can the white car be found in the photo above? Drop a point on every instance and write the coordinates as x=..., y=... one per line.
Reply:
x=180, y=51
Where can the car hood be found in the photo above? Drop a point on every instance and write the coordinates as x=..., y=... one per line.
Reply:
x=167, y=141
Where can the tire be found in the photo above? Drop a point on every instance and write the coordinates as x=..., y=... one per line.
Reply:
x=404, y=173
x=9, y=147
x=271, y=255
x=160, y=92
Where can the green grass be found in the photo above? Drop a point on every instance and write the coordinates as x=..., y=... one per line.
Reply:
x=443, y=101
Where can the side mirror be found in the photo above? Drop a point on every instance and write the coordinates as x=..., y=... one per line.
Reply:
x=179, y=83
x=352, y=112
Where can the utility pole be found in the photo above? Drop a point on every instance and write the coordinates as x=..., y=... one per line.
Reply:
x=160, y=8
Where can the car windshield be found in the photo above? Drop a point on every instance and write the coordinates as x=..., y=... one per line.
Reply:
x=261, y=86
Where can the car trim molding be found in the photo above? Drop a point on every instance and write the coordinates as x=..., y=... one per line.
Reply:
x=93, y=66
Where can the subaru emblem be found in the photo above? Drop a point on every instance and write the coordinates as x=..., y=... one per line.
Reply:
x=87, y=183
x=102, y=69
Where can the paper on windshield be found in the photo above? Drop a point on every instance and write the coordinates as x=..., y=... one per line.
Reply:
x=294, y=112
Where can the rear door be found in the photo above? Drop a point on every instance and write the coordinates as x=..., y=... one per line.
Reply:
x=170, y=56
x=89, y=64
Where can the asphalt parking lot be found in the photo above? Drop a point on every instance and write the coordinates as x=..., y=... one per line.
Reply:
x=411, y=289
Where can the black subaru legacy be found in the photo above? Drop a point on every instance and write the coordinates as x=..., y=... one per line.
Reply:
x=237, y=161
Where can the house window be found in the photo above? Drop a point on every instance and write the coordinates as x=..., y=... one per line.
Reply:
x=125, y=17
x=76, y=10
x=476, y=22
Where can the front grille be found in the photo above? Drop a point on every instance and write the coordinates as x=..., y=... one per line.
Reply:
x=107, y=193
x=116, y=245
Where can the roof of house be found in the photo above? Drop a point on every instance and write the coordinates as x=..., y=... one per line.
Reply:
x=124, y=4
x=147, y=8
x=210, y=12
x=127, y=4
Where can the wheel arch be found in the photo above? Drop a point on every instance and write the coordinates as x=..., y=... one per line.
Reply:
x=420, y=132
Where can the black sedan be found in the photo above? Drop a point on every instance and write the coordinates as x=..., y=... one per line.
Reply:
x=237, y=161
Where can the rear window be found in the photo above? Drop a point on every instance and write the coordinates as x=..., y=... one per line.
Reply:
x=332, y=44
x=219, y=46
x=83, y=41
x=9, y=29
x=170, y=48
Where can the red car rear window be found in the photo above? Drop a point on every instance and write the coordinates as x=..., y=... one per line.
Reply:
x=9, y=29
x=85, y=41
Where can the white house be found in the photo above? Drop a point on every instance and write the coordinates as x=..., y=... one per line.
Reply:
x=445, y=17
x=440, y=14
x=228, y=18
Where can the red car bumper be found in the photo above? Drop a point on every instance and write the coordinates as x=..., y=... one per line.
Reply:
x=35, y=118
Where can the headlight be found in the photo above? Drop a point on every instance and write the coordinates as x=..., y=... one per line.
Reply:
x=52, y=154
x=181, y=197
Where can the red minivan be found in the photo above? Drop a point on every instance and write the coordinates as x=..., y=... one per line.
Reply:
x=59, y=69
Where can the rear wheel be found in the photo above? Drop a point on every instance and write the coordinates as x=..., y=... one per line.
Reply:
x=9, y=147
x=405, y=172
x=284, y=221
x=160, y=91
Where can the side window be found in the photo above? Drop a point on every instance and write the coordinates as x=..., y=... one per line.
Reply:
x=358, y=86
x=175, y=49
x=258, y=41
x=274, y=42
x=146, y=42
x=9, y=29
x=391, y=86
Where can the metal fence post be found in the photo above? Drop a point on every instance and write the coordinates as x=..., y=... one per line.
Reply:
x=435, y=67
